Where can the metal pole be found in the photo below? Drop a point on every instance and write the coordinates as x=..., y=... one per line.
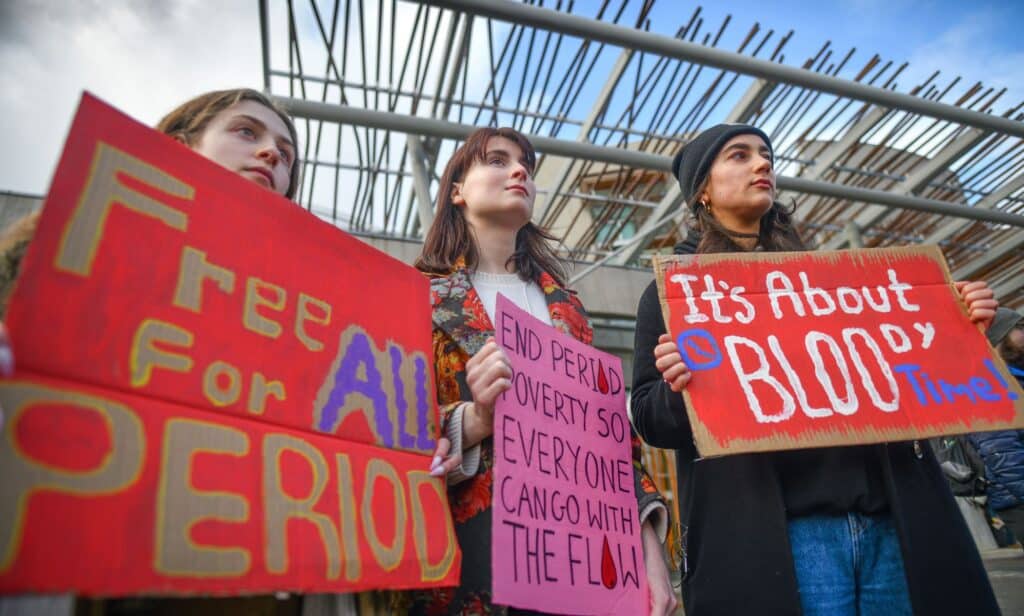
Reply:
x=265, y=38
x=853, y=234
x=666, y=208
x=622, y=36
x=906, y=202
x=432, y=127
x=341, y=83
x=567, y=166
x=416, y=125
x=421, y=181
x=633, y=241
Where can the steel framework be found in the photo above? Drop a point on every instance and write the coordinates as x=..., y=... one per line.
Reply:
x=385, y=90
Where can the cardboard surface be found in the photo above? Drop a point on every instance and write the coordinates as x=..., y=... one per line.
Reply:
x=813, y=349
x=267, y=368
x=565, y=526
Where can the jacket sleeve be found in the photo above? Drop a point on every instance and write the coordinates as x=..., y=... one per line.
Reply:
x=650, y=502
x=659, y=414
x=452, y=397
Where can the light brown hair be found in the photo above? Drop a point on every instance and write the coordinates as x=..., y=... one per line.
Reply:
x=188, y=120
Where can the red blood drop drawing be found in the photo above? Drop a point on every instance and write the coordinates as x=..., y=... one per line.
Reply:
x=602, y=380
x=608, y=577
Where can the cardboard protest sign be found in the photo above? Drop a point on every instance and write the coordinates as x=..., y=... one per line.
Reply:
x=209, y=396
x=812, y=349
x=565, y=526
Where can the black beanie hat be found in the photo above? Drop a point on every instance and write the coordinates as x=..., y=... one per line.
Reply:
x=693, y=162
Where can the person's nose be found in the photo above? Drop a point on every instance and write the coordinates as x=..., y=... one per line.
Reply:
x=268, y=152
x=519, y=171
x=762, y=163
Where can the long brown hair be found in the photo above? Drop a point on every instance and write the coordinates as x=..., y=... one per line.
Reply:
x=777, y=231
x=187, y=121
x=449, y=236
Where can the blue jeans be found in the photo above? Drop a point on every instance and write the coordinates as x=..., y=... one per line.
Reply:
x=849, y=565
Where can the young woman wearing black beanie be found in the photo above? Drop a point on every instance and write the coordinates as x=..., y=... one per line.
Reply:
x=860, y=530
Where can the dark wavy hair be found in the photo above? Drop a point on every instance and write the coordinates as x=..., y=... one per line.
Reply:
x=450, y=237
x=187, y=121
x=777, y=232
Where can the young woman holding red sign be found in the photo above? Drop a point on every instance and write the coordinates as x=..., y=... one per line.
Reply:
x=482, y=242
x=239, y=129
x=866, y=530
x=243, y=131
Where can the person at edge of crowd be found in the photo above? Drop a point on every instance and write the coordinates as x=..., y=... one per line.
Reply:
x=241, y=130
x=866, y=530
x=245, y=132
x=1003, y=450
x=481, y=243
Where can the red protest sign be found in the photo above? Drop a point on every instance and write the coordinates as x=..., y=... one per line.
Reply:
x=795, y=350
x=565, y=518
x=208, y=398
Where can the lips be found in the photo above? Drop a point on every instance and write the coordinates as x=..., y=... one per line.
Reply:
x=763, y=183
x=265, y=173
x=517, y=188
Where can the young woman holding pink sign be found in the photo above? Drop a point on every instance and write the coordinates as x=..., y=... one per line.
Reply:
x=480, y=243
x=863, y=530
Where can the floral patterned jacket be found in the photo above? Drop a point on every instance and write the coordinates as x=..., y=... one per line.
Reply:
x=461, y=327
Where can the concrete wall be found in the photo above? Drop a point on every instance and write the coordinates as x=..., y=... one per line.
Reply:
x=613, y=291
x=15, y=205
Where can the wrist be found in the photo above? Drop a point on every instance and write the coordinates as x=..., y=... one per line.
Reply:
x=649, y=539
x=484, y=415
x=477, y=424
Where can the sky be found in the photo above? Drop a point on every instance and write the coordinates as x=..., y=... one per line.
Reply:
x=147, y=56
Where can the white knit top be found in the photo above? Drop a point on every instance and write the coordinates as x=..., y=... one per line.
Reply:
x=524, y=294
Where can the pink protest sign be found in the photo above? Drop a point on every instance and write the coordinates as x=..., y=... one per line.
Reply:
x=566, y=530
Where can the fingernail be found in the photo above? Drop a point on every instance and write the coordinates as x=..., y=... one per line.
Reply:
x=437, y=472
x=435, y=462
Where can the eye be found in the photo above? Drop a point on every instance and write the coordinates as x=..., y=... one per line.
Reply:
x=246, y=131
x=496, y=160
x=286, y=154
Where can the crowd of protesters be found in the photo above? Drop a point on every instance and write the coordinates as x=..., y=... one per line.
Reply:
x=841, y=530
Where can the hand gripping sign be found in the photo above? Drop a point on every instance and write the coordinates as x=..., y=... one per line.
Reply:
x=565, y=525
x=207, y=397
x=810, y=349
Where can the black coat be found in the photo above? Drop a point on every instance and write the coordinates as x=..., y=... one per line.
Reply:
x=736, y=542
